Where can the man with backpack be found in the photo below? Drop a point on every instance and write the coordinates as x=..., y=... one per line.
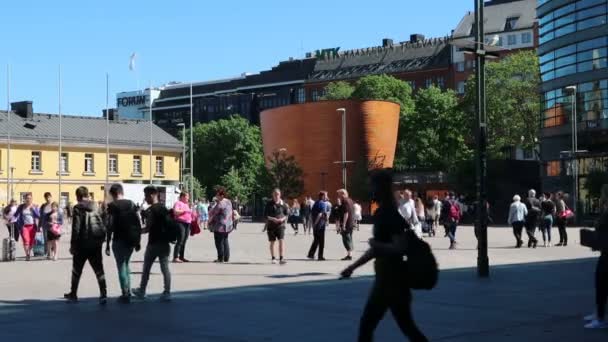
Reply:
x=450, y=216
x=88, y=236
x=320, y=219
x=162, y=231
x=534, y=212
x=124, y=226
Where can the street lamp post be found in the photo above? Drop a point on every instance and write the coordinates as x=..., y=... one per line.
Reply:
x=343, y=162
x=573, y=161
x=481, y=225
x=181, y=170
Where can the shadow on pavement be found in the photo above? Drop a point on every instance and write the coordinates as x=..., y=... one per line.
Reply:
x=527, y=302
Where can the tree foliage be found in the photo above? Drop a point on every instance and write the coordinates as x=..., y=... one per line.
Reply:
x=199, y=190
x=340, y=90
x=235, y=185
x=513, y=102
x=223, y=145
x=285, y=173
x=435, y=132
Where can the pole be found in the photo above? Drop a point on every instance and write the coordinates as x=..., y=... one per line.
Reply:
x=151, y=124
x=191, y=148
x=9, y=194
x=481, y=224
x=60, y=173
x=343, y=111
x=183, y=156
x=106, y=188
x=574, y=150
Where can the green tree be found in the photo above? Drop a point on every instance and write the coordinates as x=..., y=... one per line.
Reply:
x=235, y=185
x=512, y=100
x=435, y=132
x=340, y=90
x=388, y=88
x=285, y=173
x=199, y=190
x=221, y=145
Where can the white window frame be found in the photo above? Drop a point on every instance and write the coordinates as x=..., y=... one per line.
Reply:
x=512, y=39
x=137, y=165
x=36, y=161
x=160, y=166
x=526, y=38
x=64, y=163
x=113, y=161
x=89, y=157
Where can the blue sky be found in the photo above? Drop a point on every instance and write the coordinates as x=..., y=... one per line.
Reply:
x=185, y=40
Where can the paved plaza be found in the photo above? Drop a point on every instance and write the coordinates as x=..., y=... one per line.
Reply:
x=533, y=295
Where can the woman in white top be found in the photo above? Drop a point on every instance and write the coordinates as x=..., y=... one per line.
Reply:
x=517, y=216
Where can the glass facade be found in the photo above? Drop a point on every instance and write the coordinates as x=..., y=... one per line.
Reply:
x=576, y=16
x=580, y=57
x=591, y=102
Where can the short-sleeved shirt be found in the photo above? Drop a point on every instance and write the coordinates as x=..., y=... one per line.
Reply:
x=186, y=216
x=388, y=222
x=347, y=207
x=28, y=216
x=276, y=210
x=320, y=207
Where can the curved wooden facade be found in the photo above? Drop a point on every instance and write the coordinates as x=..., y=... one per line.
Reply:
x=312, y=133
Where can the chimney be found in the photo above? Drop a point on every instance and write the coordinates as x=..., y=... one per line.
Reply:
x=23, y=108
x=387, y=42
x=113, y=112
x=417, y=37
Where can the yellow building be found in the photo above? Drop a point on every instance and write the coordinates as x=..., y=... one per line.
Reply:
x=33, y=164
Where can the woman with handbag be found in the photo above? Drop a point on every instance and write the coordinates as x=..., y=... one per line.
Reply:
x=221, y=224
x=27, y=218
x=561, y=218
x=390, y=289
x=54, y=231
x=598, y=320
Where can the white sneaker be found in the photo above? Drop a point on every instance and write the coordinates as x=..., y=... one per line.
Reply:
x=590, y=318
x=274, y=261
x=596, y=324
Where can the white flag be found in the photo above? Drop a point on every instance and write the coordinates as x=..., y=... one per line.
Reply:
x=132, y=61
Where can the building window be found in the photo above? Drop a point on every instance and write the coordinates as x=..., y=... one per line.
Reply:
x=511, y=23
x=460, y=66
x=160, y=166
x=301, y=95
x=526, y=38
x=64, y=164
x=460, y=87
x=553, y=168
x=64, y=200
x=428, y=82
x=36, y=161
x=441, y=82
x=499, y=41
x=528, y=153
x=511, y=39
x=137, y=165
x=88, y=163
x=113, y=164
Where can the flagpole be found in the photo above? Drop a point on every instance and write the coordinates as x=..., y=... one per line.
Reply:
x=60, y=137
x=105, y=193
x=9, y=195
x=191, y=148
x=150, y=93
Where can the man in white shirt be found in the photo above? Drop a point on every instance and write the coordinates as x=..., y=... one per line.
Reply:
x=407, y=209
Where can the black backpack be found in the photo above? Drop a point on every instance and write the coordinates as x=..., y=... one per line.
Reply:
x=128, y=221
x=169, y=227
x=421, y=266
x=95, y=228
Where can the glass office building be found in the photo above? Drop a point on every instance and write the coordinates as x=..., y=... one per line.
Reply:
x=573, y=53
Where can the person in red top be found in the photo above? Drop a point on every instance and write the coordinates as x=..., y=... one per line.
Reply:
x=183, y=215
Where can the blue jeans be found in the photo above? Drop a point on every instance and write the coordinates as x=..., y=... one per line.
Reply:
x=545, y=228
x=161, y=251
x=450, y=229
x=122, y=254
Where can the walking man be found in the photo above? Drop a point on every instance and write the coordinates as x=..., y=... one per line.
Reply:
x=450, y=216
x=88, y=236
x=347, y=222
x=534, y=212
x=276, y=213
x=320, y=218
x=160, y=235
x=124, y=227
x=407, y=209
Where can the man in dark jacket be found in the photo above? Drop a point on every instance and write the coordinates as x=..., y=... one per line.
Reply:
x=533, y=205
x=125, y=227
x=88, y=235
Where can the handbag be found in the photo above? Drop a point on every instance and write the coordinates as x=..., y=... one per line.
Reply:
x=194, y=228
x=566, y=214
x=56, y=229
